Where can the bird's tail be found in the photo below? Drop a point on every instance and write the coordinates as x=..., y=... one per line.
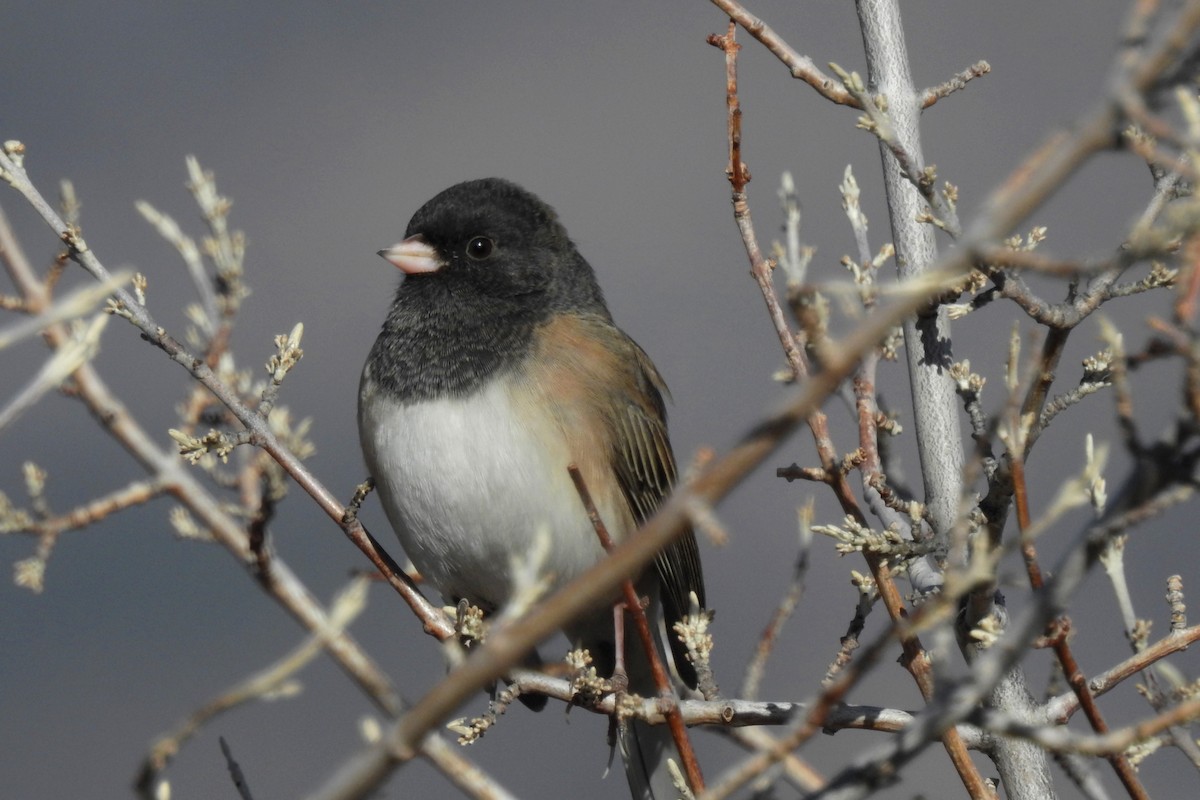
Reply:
x=645, y=750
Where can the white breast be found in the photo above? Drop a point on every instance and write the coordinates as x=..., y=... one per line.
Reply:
x=467, y=483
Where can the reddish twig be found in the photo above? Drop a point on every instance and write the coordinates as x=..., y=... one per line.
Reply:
x=1063, y=706
x=633, y=605
x=736, y=170
x=801, y=67
x=1058, y=639
x=761, y=269
x=1189, y=283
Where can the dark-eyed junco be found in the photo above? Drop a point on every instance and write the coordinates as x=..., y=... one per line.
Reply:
x=497, y=367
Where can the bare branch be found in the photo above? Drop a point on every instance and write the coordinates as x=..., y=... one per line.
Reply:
x=800, y=66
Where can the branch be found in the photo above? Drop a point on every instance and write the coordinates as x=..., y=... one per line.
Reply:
x=258, y=430
x=265, y=684
x=801, y=67
x=956, y=83
x=1062, y=649
x=633, y=606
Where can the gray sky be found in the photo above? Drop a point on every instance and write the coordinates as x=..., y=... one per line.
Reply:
x=328, y=126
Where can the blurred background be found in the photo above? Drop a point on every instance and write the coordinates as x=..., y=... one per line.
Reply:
x=328, y=125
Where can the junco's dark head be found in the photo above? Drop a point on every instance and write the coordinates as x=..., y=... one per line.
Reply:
x=492, y=239
x=486, y=263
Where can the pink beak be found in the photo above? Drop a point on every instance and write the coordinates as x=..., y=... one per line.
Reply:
x=414, y=256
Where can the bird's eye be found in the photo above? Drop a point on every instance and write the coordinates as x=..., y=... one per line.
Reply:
x=480, y=247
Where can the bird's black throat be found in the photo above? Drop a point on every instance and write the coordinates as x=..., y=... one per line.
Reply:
x=437, y=342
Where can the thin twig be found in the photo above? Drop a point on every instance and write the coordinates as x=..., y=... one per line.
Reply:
x=349, y=603
x=1062, y=649
x=801, y=67
x=956, y=83
x=783, y=611
x=235, y=771
x=633, y=606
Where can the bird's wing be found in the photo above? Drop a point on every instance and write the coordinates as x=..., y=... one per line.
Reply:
x=644, y=466
x=609, y=400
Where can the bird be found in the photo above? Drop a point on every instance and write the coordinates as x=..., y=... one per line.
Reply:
x=498, y=365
